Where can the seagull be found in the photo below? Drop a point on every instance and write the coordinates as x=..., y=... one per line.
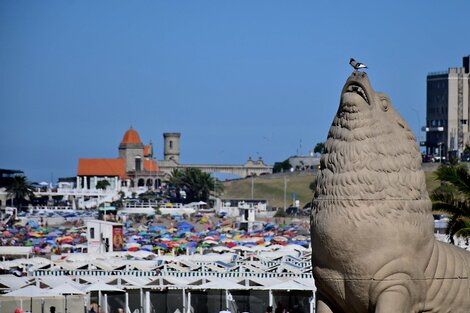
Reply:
x=356, y=64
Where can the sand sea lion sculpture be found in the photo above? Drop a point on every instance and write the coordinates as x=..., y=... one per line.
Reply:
x=372, y=228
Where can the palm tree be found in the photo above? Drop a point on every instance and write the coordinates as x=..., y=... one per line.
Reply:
x=176, y=177
x=21, y=190
x=453, y=199
x=197, y=184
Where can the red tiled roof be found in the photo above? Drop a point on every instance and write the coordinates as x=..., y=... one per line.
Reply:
x=147, y=151
x=131, y=136
x=102, y=167
x=150, y=165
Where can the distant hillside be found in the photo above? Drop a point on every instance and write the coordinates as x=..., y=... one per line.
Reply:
x=271, y=188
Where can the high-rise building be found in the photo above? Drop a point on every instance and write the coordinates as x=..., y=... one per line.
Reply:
x=448, y=111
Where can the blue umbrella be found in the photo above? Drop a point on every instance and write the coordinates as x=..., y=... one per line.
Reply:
x=37, y=241
x=157, y=228
x=184, y=225
x=33, y=224
x=162, y=245
x=213, y=233
x=147, y=248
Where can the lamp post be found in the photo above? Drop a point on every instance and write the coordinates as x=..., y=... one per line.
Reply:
x=440, y=151
x=285, y=193
x=252, y=186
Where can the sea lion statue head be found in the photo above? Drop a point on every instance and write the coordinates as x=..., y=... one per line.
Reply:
x=370, y=149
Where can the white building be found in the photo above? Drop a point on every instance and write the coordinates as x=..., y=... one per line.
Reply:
x=104, y=236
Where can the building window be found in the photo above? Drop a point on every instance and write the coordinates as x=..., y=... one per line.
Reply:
x=92, y=233
x=171, y=144
x=138, y=164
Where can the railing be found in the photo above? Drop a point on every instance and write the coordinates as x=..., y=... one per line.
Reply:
x=177, y=274
x=66, y=191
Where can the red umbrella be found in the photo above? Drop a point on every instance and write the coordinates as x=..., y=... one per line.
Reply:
x=66, y=239
x=133, y=249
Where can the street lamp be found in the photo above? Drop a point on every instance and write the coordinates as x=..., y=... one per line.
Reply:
x=440, y=144
x=252, y=185
x=285, y=189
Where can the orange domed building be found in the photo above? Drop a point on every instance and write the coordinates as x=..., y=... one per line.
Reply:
x=135, y=166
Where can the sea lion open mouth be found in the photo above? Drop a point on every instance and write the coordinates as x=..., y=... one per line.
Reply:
x=359, y=90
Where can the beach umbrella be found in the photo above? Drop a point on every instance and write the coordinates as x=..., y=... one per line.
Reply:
x=65, y=239
x=146, y=248
x=46, y=250
x=34, y=234
x=184, y=224
x=231, y=244
x=221, y=249
x=32, y=223
x=160, y=227
x=280, y=239
x=132, y=244
x=210, y=242
x=300, y=238
x=213, y=233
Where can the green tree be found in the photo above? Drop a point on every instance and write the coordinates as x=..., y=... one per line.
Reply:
x=176, y=178
x=319, y=148
x=197, y=184
x=283, y=166
x=21, y=190
x=102, y=184
x=452, y=198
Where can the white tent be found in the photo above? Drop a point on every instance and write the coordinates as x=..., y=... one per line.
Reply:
x=223, y=284
x=289, y=285
x=67, y=289
x=101, y=286
x=28, y=292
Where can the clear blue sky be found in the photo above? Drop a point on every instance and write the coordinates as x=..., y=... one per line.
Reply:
x=236, y=78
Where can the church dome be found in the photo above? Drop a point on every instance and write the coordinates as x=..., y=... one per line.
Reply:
x=132, y=137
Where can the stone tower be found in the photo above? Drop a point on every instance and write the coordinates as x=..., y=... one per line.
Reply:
x=132, y=149
x=172, y=146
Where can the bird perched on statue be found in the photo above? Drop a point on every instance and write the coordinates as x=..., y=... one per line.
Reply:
x=356, y=65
